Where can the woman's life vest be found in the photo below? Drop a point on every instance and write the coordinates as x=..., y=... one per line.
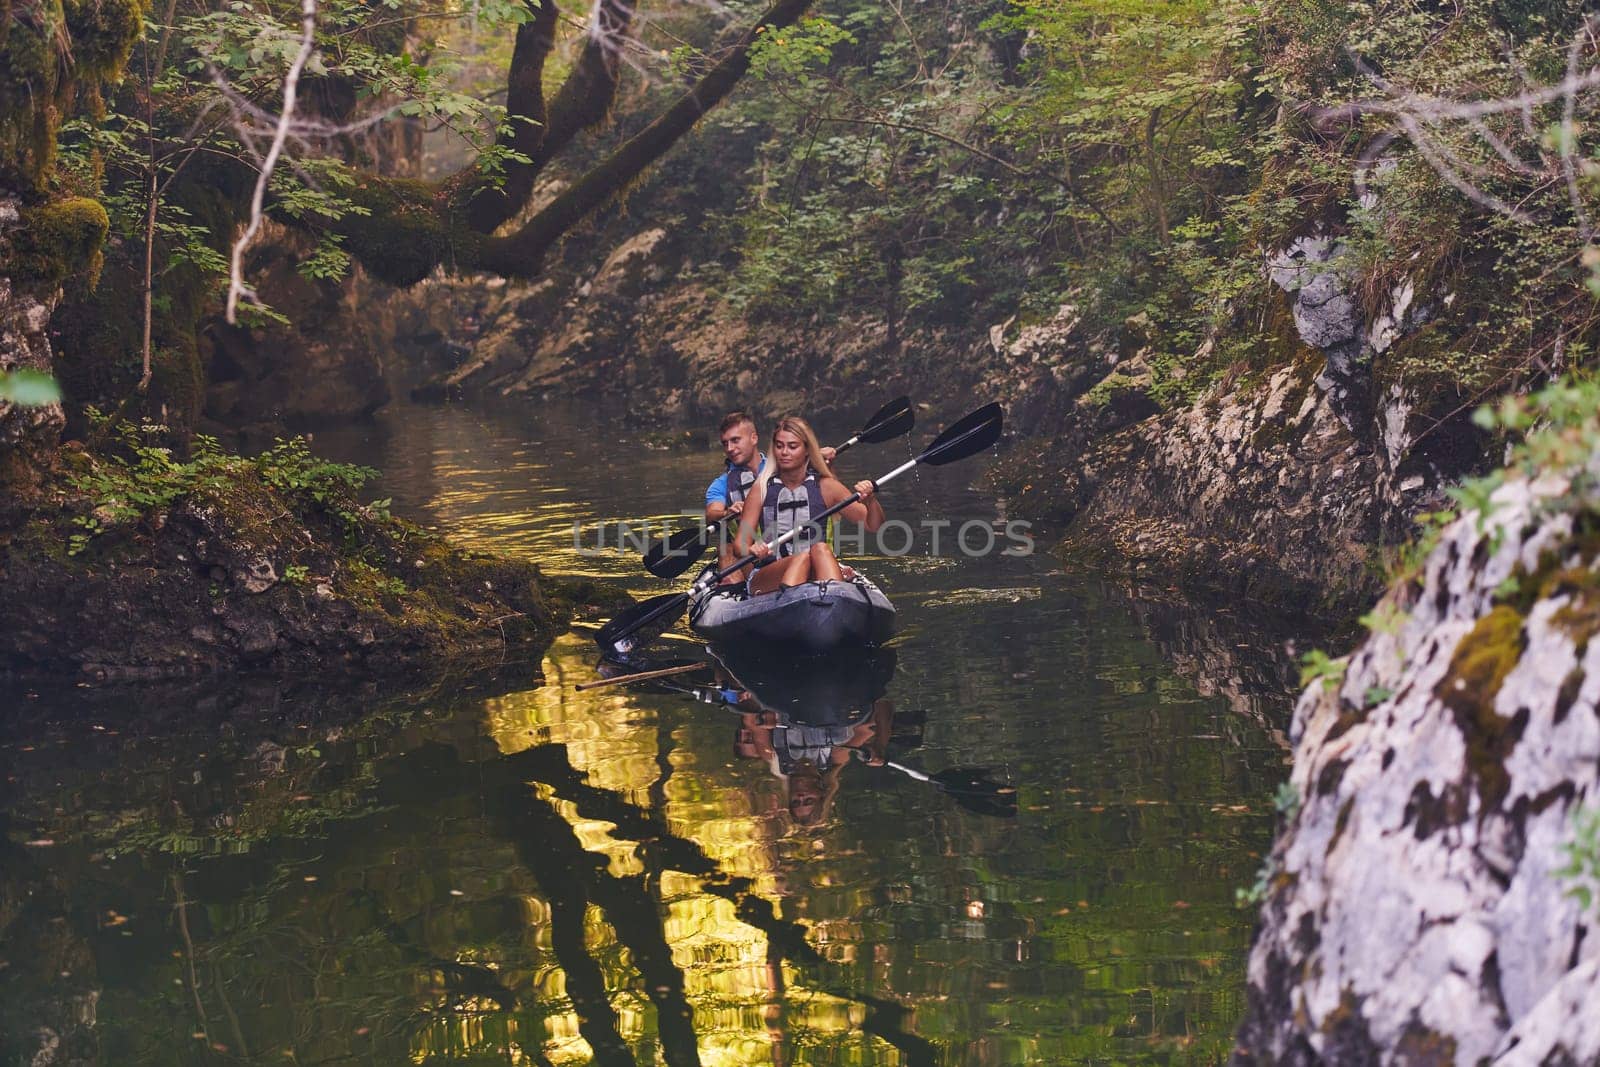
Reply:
x=782, y=509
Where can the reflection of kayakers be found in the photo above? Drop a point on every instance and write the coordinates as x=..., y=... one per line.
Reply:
x=807, y=757
x=804, y=725
x=801, y=485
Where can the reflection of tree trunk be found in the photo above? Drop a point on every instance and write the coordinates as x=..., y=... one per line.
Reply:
x=239, y=1044
x=774, y=1014
x=586, y=983
x=182, y=909
x=544, y=839
x=786, y=938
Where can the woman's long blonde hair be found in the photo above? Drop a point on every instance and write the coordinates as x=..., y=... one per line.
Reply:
x=802, y=429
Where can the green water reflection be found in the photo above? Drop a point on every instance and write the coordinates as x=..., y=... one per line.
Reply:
x=499, y=871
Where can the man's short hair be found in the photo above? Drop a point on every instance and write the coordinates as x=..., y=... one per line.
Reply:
x=734, y=418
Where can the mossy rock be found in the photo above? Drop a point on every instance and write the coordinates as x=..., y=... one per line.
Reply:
x=60, y=53
x=59, y=240
x=103, y=33
x=1478, y=668
x=99, y=339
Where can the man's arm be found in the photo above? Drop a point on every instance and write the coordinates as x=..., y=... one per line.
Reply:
x=717, y=499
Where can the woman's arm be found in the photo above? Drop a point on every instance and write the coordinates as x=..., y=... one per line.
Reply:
x=866, y=511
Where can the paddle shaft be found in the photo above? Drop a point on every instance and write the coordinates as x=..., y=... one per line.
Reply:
x=903, y=769
x=642, y=676
x=814, y=521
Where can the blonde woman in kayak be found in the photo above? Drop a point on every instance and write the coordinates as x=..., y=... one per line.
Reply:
x=795, y=484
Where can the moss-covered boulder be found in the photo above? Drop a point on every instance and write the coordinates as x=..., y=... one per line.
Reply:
x=52, y=53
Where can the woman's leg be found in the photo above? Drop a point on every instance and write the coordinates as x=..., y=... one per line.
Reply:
x=824, y=564
x=789, y=571
x=801, y=572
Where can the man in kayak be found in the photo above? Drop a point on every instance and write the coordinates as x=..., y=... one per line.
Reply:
x=742, y=461
x=801, y=485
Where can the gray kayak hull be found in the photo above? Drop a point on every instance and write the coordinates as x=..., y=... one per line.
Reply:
x=815, y=616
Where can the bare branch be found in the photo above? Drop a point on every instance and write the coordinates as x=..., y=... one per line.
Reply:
x=291, y=86
x=1437, y=108
x=298, y=128
x=1427, y=122
x=1426, y=148
x=1502, y=149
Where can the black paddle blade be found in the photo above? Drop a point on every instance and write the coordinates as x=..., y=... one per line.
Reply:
x=973, y=789
x=640, y=623
x=966, y=438
x=671, y=556
x=893, y=419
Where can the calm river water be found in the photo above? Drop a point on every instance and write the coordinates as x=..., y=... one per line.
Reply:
x=496, y=870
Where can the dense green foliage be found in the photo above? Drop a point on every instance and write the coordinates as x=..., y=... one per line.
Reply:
x=960, y=164
x=137, y=477
x=948, y=164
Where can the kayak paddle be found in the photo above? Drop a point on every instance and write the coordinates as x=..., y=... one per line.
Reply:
x=671, y=556
x=969, y=787
x=641, y=676
x=967, y=437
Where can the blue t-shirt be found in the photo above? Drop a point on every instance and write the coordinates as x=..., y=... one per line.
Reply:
x=717, y=491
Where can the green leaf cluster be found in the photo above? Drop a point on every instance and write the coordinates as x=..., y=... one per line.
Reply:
x=1317, y=666
x=138, y=477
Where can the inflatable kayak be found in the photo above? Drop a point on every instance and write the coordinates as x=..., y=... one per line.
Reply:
x=813, y=617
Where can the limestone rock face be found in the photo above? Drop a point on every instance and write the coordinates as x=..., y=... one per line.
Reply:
x=599, y=318
x=1260, y=488
x=1324, y=311
x=509, y=337
x=1416, y=912
x=1048, y=365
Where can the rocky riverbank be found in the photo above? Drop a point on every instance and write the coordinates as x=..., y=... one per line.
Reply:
x=131, y=565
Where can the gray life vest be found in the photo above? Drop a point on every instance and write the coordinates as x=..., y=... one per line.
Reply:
x=808, y=744
x=740, y=482
x=782, y=509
